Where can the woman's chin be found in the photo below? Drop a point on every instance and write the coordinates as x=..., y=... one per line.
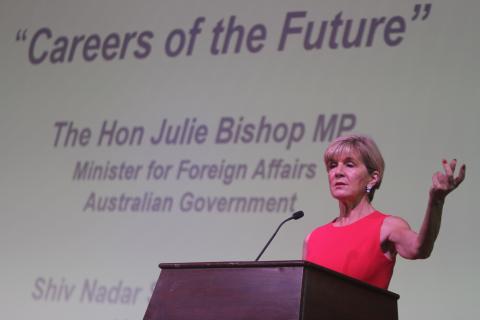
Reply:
x=344, y=196
x=340, y=195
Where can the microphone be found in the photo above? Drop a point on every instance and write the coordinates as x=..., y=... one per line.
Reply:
x=297, y=215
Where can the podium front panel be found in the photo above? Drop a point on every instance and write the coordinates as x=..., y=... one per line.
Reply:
x=276, y=290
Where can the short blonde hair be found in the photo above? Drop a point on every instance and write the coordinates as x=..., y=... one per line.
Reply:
x=365, y=147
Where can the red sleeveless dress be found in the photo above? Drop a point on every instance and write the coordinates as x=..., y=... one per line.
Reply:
x=353, y=250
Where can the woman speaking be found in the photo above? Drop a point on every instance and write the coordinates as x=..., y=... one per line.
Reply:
x=363, y=242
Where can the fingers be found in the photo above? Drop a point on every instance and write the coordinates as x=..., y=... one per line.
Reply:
x=461, y=175
x=449, y=169
x=453, y=165
x=449, y=172
x=444, y=182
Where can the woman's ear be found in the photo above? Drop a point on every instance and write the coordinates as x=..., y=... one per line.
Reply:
x=374, y=179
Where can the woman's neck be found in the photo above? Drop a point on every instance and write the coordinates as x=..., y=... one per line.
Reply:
x=351, y=212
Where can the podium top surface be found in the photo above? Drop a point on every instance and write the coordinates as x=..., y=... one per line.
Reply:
x=235, y=264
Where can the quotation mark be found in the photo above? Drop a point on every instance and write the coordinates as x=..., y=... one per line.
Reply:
x=417, y=10
x=21, y=35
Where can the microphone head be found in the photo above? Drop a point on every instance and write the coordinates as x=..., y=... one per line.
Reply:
x=297, y=215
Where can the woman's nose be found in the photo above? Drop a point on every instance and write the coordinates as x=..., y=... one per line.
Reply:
x=338, y=171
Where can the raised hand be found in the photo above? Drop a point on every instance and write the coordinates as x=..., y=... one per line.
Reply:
x=445, y=182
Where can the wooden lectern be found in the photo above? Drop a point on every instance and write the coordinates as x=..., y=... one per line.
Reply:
x=277, y=290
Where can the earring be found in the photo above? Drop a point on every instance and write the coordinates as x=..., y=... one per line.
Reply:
x=368, y=189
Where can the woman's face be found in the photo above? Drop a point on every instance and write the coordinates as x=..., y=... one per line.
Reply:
x=348, y=177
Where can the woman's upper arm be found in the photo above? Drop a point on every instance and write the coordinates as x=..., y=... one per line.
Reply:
x=397, y=231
